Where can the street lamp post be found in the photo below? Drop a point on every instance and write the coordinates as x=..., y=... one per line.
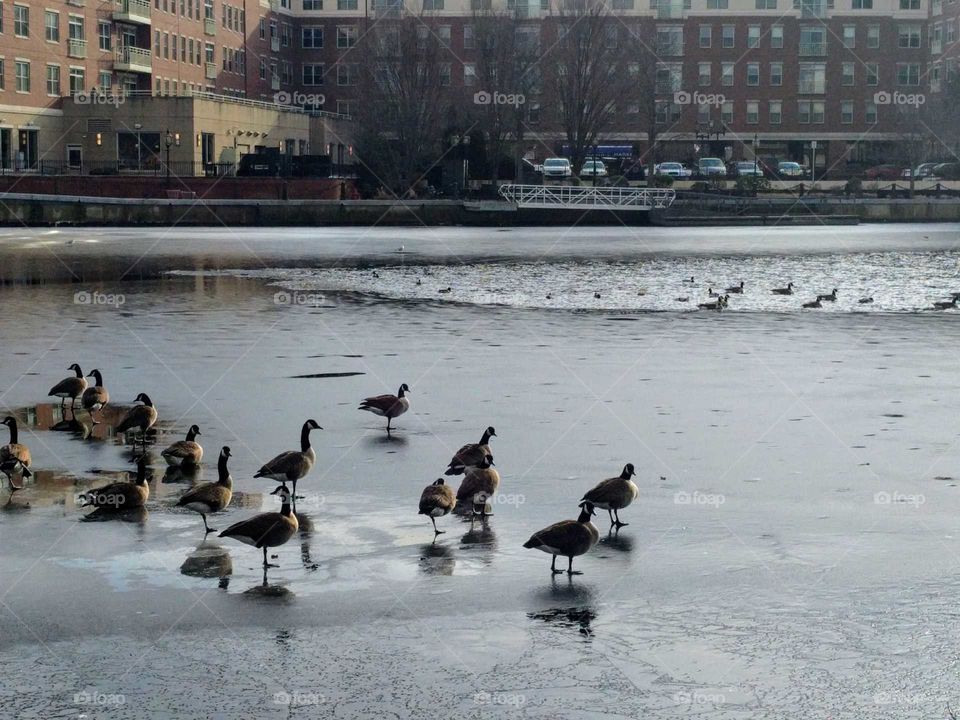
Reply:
x=169, y=140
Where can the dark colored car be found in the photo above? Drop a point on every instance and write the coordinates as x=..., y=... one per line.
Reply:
x=947, y=171
x=883, y=172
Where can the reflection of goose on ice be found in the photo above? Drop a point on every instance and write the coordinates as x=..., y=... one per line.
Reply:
x=208, y=560
x=137, y=515
x=119, y=496
x=436, y=559
x=614, y=541
x=266, y=590
x=480, y=534
x=181, y=474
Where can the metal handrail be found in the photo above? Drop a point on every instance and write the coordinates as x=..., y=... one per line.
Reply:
x=572, y=196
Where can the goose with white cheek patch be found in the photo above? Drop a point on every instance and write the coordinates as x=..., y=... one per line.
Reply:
x=95, y=397
x=471, y=455
x=185, y=452
x=293, y=465
x=614, y=494
x=211, y=497
x=15, y=458
x=71, y=387
x=267, y=530
x=388, y=406
x=570, y=538
x=139, y=416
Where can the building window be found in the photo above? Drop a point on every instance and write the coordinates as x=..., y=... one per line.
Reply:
x=862, y=4
x=445, y=74
x=263, y=29
x=870, y=113
x=776, y=74
x=344, y=107
x=873, y=74
x=346, y=4
x=105, y=35
x=432, y=5
x=312, y=37
x=849, y=36
x=847, y=76
x=77, y=80
x=803, y=112
x=106, y=80
x=909, y=4
x=21, y=69
x=313, y=4
x=51, y=24
x=753, y=74
x=718, y=4
x=726, y=113
x=908, y=36
x=704, y=70
x=873, y=36
x=812, y=78
x=468, y=37
x=775, y=112
x=729, y=36
x=263, y=69
x=908, y=73
x=776, y=36
x=443, y=33
x=53, y=80
x=346, y=74
x=753, y=113
x=21, y=21
x=753, y=36
x=469, y=74
x=846, y=112
x=817, y=112
x=346, y=36
x=3, y=75
x=766, y=4
x=726, y=74
x=706, y=35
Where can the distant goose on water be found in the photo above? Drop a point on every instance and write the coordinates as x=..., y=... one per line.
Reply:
x=570, y=538
x=736, y=289
x=720, y=303
x=865, y=300
x=445, y=290
x=437, y=500
x=945, y=304
x=267, y=530
x=388, y=406
x=614, y=494
x=814, y=303
x=831, y=297
x=211, y=497
x=596, y=296
x=96, y=397
x=71, y=387
x=185, y=452
x=14, y=457
x=712, y=293
x=471, y=455
x=788, y=290
x=690, y=280
x=292, y=465
x=139, y=416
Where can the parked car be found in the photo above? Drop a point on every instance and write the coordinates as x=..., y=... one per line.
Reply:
x=946, y=171
x=593, y=168
x=790, y=170
x=921, y=171
x=557, y=168
x=745, y=168
x=632, y=169
x=883, y=172
x=673, y=169
x=711, y=167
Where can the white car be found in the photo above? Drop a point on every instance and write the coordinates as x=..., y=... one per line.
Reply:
x=711, y=167
x=557, y=168
x=594, y=168
x=673, y=169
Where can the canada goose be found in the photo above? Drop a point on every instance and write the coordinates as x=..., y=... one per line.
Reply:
x=139, y=416
x=71, y=387
x=437, y=500
x=596, y=296
x=267, y=530
x=690, y=280
x=614, y=494
x=720, y=303
x=479, y=485
x=13, y=455
x=185, y=452
x=376, y=274
x=388, y=406
x=814, y=303
x=865, y=301
x=12, y=467
x=736, y=289
x=445, y=290
x=211, y=497
x=121, y=495
x=569, y=538
x=682, y=299
x=712, y=293
x=831, y=297
x=945, y=304
x=788, y=290
x=472, y=454
x=292, y=464
x=95, y=397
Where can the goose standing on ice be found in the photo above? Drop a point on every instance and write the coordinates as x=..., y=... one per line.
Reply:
x=478, y=486
x=570, y=538
x=614, y=494
x=139, y=416
x=292, y=465
x=437, y=500
x=471, y=455
x=185, y=452
x=388, y=406
x=211, y=497
x=95, y=397
x=71, y=387
x=121, y=495
x=14, y=457
x=267, y=530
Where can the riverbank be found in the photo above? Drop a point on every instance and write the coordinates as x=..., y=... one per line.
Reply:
x=19, y=209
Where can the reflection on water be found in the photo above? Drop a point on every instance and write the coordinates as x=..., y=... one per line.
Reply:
x=613, y=540
x=436, y=559
x=208, y=560
x=182, y=474
x=136, y=516
x=266, y=590
x=57, y=418
x=579, y=617
x=305, y=531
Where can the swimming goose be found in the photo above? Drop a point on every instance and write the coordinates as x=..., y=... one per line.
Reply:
x=471, y=455
x=814, y=303
x=267, y=530
x=690, y=280
x=445, y=290
x=13, y=455
x=614, y=494
x=831, y=297
x=185, y=452
x=788, y=290
x=437, y=500
x=121, y=495
x=388, y=406
x=479, y=485
x=211, y=497
x=596, y=296
x=569, y=538
x=945, y=304
x=682, y=299
x=95, y=397
x=718, y=305
x=865, y=301
x=71, y=387
x=292, y=465
x=736, y=289
x=712, y=293
x=139, y=416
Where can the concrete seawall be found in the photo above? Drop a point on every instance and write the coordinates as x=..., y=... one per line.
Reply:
x=45, y=210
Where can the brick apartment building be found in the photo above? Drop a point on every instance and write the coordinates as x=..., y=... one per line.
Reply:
x=734, y=77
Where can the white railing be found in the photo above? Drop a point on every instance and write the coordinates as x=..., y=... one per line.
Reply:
x=76, y=48
x=133, y=10
x=585, y=198
x=133, y=58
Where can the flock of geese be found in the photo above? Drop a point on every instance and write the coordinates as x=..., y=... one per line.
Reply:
x=474, y=461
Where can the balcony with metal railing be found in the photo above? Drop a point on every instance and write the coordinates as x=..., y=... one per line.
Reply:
x=209, y=26
x=76, y=48
x=670, y=48
x=670, y=10
x=132, y=11
x=275, y=44
x=275, y=82
x=210, y=71
x=133, y=59
x=813, y=49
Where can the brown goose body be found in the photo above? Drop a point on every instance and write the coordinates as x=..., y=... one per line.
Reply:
x=569, y=538
x=14, y=452
x=185, y=452
x=211, y=497
x=388, y=406
x=267, y=530
x=71, y=387
x=95, y=396
x=614, y=494
x=292, y=465
x=479, y=485
x=121, y=495
x=471, y=455
x=139, y=417
x=437, y=500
